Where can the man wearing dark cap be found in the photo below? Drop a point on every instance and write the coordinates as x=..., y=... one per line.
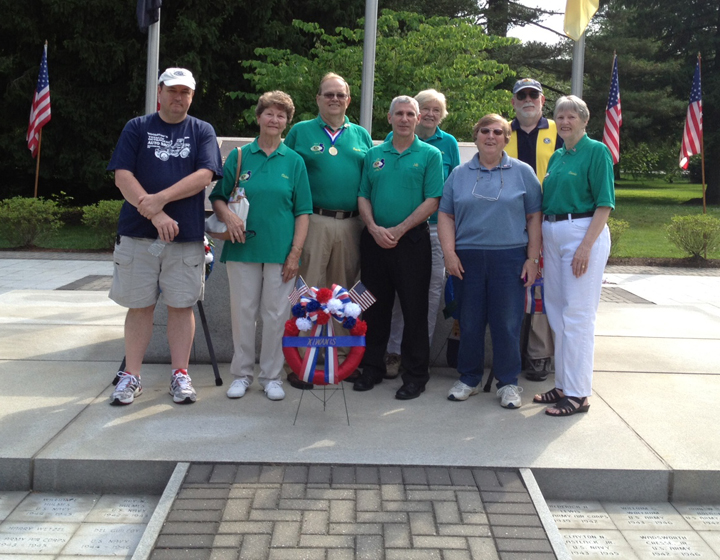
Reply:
x=534, y=139
x=162, y=164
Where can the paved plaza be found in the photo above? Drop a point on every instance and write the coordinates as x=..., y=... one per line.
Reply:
x=636, y=477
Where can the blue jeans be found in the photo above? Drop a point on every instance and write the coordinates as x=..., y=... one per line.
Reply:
x=491, y=292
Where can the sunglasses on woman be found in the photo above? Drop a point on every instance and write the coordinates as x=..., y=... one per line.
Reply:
x=495, y=131
x=522, y=94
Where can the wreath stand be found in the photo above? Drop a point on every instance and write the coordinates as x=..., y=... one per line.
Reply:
x=334, y=373
x=327, y=394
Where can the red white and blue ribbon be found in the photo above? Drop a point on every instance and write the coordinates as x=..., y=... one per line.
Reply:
x=315, y=312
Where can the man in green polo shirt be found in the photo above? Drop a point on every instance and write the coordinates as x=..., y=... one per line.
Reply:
x=333, y=149
x=402, y=181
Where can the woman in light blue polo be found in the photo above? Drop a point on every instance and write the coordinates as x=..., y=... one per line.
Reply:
x=262, y=268
x=490, y=230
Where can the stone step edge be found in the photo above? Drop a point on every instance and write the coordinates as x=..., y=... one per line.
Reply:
x=147, y=542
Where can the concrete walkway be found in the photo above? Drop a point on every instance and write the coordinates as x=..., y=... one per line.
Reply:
x=650, y=436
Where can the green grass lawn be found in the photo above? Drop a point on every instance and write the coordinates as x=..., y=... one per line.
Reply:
x=648, y=206
x=76, y=237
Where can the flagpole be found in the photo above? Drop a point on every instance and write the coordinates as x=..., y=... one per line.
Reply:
x=578, y=67
x=702, y=152
x=153, y=57
x=612, y=70
x=37, y=163
x=368, y=67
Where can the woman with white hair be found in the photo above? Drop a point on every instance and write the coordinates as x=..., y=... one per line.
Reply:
x=433, y=110
x=578, y=196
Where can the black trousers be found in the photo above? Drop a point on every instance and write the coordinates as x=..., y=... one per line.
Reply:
x=405, y=270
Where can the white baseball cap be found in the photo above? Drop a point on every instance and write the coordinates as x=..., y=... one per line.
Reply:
x=177, y=77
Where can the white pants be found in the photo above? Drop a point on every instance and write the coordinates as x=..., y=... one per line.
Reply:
x=437, y=277
x=571, y=303
x=256, y=286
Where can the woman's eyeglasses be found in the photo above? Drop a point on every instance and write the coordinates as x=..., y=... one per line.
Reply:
x=495, y=131
x=330, y=95
x=488, y=177
x=522, y=94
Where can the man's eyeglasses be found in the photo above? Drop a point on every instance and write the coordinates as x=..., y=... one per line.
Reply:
x=522, y=94
x=249, y=234
x=330, y=95
x=495, y=131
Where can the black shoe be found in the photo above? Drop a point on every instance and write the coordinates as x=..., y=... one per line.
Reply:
x=365, y=383
x=409, y=390
x=537, y=370
x=354, y=376
x=298, y=383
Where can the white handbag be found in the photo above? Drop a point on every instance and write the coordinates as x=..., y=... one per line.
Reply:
x=238, y=204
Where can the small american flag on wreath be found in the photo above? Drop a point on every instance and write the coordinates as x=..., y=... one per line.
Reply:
x=300, y=289
x=361, y=295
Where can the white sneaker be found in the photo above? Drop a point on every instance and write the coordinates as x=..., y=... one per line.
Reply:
x=461, y=392
x=510, y=396
x=128, y=387
x=238, y=388
x=274, y=391
x=181, y=387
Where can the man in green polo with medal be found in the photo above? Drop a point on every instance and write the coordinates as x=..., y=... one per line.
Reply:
x=333, y=149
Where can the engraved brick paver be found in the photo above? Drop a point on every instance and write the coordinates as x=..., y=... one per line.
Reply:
x=346, y=512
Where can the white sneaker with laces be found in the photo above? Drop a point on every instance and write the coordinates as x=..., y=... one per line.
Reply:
x=181, y=387
x=238, y=388
x=128, y=387
x=461, y=392
x=274, y=391
x=510, y=396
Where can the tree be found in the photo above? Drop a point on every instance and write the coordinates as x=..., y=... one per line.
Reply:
x=413, y=53
x=97, y=60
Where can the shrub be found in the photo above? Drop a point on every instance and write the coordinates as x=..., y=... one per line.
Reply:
x=71, y=216
x=695, y=235
x=617, y=228
x=640, y=161
x=102, y=218
x=24, y=221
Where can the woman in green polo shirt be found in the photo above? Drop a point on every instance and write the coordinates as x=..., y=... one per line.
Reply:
x=579, y=194
x=261, y=268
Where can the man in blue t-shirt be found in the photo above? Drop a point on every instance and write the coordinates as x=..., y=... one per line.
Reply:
x=162, y=164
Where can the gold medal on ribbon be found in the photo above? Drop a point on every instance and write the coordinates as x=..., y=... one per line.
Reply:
x=333, y=151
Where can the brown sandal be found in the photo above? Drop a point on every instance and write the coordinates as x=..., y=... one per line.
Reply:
x=551, y=397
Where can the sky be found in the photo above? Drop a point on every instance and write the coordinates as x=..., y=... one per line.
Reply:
x=534, y=33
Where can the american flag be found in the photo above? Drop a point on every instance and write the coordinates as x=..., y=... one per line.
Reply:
x=40, y=110
x=692, y=135
x=361, y=295
x=613, y=116
x=300, y=289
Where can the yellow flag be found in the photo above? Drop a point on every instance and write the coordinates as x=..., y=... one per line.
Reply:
x=578, y=14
